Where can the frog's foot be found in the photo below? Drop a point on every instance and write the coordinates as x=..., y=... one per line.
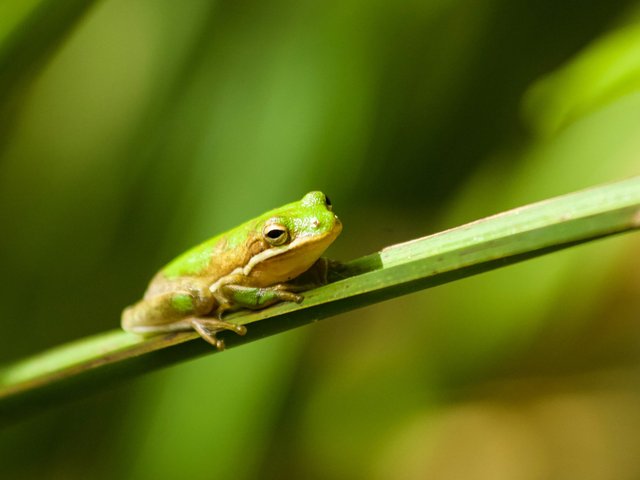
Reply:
x=208, y=327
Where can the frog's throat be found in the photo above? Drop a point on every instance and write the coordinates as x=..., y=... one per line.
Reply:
x=274, y=252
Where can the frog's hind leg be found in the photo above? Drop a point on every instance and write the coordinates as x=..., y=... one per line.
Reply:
x=167, y=312
x=208, y=327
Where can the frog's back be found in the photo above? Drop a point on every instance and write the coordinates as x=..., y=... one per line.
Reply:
x=196, y=261
x=210, y=260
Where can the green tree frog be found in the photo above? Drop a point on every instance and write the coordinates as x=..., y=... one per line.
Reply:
x=246, y=267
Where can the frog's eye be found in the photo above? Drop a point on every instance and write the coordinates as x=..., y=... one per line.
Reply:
x=327, y=202
x=275, y=234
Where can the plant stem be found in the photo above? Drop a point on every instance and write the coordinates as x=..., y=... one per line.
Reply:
x=486, y=244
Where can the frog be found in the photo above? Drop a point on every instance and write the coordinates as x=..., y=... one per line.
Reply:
x=252, y=266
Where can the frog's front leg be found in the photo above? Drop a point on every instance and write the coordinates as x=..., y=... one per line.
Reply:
x=236, y=291
x=255, y=298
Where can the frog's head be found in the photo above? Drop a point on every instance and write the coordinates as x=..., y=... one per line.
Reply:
x=294, y=237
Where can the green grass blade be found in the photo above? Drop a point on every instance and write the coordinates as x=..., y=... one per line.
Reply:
x=483, y=245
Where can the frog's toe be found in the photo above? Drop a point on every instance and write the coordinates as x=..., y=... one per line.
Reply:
x=291, y=297
x=223, y=307
x=208, y=327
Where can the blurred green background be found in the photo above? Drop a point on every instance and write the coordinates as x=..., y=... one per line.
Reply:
x=133, y=129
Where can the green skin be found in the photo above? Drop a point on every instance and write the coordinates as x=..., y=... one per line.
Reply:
x=246, y=267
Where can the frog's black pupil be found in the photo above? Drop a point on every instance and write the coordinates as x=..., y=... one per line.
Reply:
x=327, y=201
x=275, y=233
